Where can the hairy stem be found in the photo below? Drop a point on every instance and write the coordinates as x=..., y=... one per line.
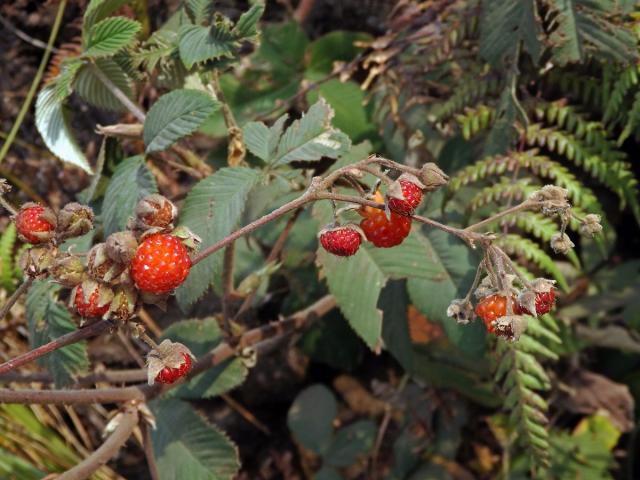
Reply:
x=107, y=450
x=119, y=94
x=145, y=392
x=148, y=451
x=83, y=333
x=14, y=298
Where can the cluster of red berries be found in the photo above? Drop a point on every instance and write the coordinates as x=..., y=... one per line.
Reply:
x=144, y=263
x=383, y=230
x=494, y=307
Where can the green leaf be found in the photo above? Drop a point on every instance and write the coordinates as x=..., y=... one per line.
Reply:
x=13, y=466
x=345, y=278
x=187, y=447
x=583, y=27
x=212, y=210
x=247, y=25
x=200, y=44
x=91, y=88
x=48, y=320
x=394, y=301
x=131, y=181
x=338, y=45
x=351, y=443
x=328, y=473
x=96, y=11
x=282, y=48
x=312, y=137
x=175, y=115
x=347, y=100
x=111, y=35
x=261, y=140
x=52, y=123
x=199, y=11
x=311, y=416
x=453, y=271
x=506, y=23
x=202, y=336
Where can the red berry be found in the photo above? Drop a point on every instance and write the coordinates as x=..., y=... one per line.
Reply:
x=29, y=223
x=412, y=197
x=544, y=302
x=161, y=264
x=341, y=241
x=89, y=309
x=493, y=307
x=385, y=232
x=170, y=375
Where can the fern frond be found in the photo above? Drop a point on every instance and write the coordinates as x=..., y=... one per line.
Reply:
x=525, y=249
x=626, y=79
x=475, y=120
x=7, y=243
x=612, y=172
x=504, y=189
x=469, y=92
x=580, y=87
x=633, y=120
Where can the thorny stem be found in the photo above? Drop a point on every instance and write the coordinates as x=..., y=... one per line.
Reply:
x=14, y=298
x=8, y=207
x=526, y=205
x=147, y=339
x=144, y=392
x=126, y=425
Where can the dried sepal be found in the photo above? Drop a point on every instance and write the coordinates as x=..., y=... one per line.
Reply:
x=432, y=177
x=121, y=247
x=101, y=267
x=167, y=354
x=74, y=220
x=68, y=270
x=461, y=310
x=155, y=211
x=510, y=327
x=590, y=225
x=561, y=243
x=189, y=239
x=124, y=303
x=37, y=261
x=553, y=199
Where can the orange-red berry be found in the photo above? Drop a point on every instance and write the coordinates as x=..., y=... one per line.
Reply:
x=386, y=232
x=161, y=264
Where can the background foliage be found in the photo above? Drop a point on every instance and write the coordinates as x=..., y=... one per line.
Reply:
x=504, y=95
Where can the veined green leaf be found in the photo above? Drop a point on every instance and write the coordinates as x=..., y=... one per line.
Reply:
x=175, y=115
x=110, y=35
x=53, y=125
x=91, y=88
x=200, y=44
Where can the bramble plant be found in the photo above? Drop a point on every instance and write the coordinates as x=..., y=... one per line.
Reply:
x=384, y=230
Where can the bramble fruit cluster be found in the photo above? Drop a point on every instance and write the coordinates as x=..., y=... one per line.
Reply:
x=142, y=264
x=388, y=227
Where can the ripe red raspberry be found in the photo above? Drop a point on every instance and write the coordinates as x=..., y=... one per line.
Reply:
x=544, y=302
x=412, y=197
x=385, y=232
x=341, y=241
x=90, y=308
x=493, y=307
x=161, y=264
x=170, y=375
x=32, y=226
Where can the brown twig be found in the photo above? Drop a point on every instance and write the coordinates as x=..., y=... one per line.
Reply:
x=24, y=286
x=108, y=449
x=227, y=287
x=148, y=451
x=303, y=10
x=82, y=334
x=145, y=392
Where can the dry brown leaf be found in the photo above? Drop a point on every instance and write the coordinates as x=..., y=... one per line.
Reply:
x=588, y=392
